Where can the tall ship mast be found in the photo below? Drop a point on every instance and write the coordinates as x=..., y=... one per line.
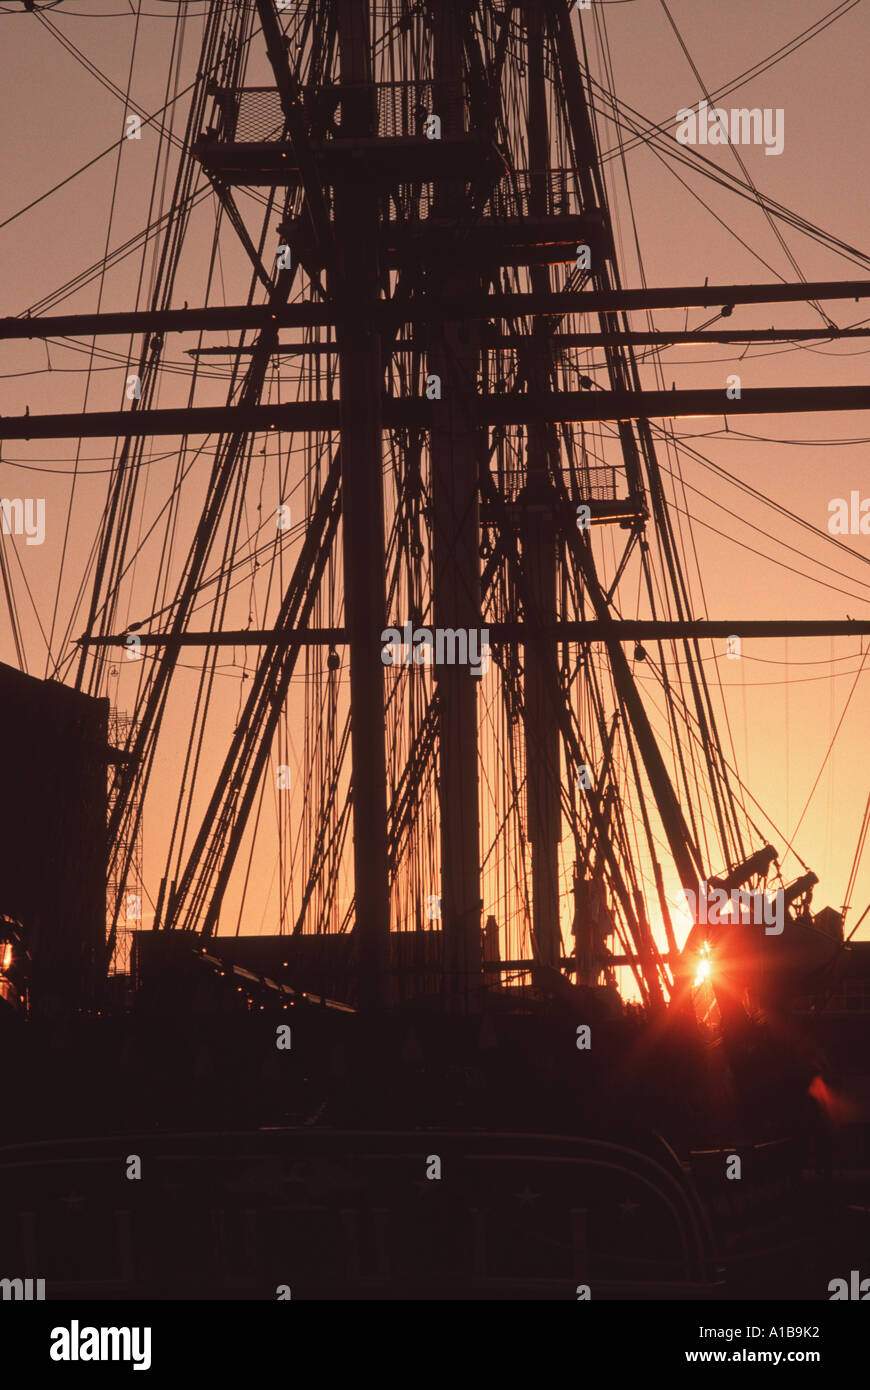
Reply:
x=386, y=679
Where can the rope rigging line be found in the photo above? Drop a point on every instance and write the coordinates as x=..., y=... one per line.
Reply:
x=196, y=543
x=73, y=486
x=711, y=746
x=764, y=65
x=671, y=149
x=828, y=751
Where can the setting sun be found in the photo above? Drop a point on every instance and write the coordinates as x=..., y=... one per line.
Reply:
x=705, y=967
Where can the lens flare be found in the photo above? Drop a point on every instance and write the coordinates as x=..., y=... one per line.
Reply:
x=705, y=967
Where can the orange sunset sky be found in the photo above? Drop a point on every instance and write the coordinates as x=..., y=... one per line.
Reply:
x=783, y=699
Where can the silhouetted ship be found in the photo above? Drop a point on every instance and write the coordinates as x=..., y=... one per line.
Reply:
x=477, y=1055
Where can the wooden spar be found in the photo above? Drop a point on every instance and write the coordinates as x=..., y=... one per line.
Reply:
x=489, y=339
x=547, y=406
x=456, y=599
x=356, y=276
x=538, y=536
x=623, y=629
x=425, y=308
